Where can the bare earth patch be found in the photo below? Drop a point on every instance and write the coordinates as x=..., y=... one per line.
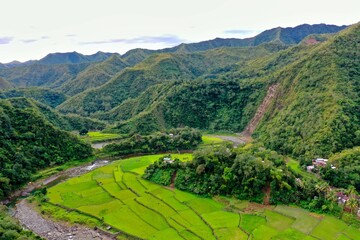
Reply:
x=51, y=230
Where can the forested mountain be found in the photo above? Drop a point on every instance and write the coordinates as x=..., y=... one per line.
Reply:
x=69, y=72
x=43, y=95
x=41, y=75
x=161, y=68
x=280, y=35
x=315, y=111
x=223, y=100
x=214, y=85
x=317, y=108
x=4, y=84
x=94, y=76
x=29, y=142
x=73, y=57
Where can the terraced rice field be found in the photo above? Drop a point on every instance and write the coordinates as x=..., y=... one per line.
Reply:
x=117, y=196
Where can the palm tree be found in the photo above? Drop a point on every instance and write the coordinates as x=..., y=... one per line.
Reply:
x=351, y=191
x=331, y=196
x=353, y=203
x=322, y=188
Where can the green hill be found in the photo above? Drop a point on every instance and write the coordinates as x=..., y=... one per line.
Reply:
x=4, y=84
x=73, y=57
x=43, y=95
x=29, y=142
x=94, y=76
x=316, y=110
x=41, y=75
x=225, y=99
x=70, y=122
x=161, y=68
x=287, y=36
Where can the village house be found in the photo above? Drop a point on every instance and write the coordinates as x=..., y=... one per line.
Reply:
x=168, y=160
x=322, y=162
x=342, y=198
x=319, y=162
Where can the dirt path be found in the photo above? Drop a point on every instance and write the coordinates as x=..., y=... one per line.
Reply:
x=267, y=191
x=51, y=230
x=172, y=182
x=250, y=128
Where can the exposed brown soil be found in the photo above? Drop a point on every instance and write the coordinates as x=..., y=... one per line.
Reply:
x=311, y=41
x=172, y=183
x=250, y=128
x=267, y=192
x=257, y=207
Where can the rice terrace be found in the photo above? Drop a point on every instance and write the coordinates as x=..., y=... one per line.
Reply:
x=117, y=199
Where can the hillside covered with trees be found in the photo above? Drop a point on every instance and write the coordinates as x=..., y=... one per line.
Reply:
x=29, y=142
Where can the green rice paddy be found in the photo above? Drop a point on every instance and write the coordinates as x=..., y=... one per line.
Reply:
x=117, y=196
x=94, y=137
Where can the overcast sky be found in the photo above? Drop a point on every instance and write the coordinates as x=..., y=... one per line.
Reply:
x=30, y=29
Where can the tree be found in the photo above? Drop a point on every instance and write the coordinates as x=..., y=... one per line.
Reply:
x=83, y=131
x=352, y=203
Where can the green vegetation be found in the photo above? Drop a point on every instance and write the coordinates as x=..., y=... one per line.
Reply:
x=214, y=86
x=161, y=69
x=43, y=95
x=347, y=170
x=249, y=172
x=95, y=75
x=94, y=137
x=10, y=229
x=172, y=140
x=68, y=122
x=210, y=140
x=117, y=196
x=315, y=112
x=4, y=84
x=40, y=75
x=243, y=172
x=28, y=142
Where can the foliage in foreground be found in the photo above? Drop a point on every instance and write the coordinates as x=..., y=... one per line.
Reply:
x=250, y=172
x=11, y=230
x=117, y=196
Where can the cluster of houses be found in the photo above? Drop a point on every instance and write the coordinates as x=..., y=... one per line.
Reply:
x=319, y=162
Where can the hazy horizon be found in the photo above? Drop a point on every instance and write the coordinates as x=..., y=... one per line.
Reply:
x=40, y=27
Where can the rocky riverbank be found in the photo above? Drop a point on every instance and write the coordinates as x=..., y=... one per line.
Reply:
x=51, y=230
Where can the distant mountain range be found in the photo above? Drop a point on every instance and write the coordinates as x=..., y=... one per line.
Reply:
x=214, y=85
x=289, y=35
